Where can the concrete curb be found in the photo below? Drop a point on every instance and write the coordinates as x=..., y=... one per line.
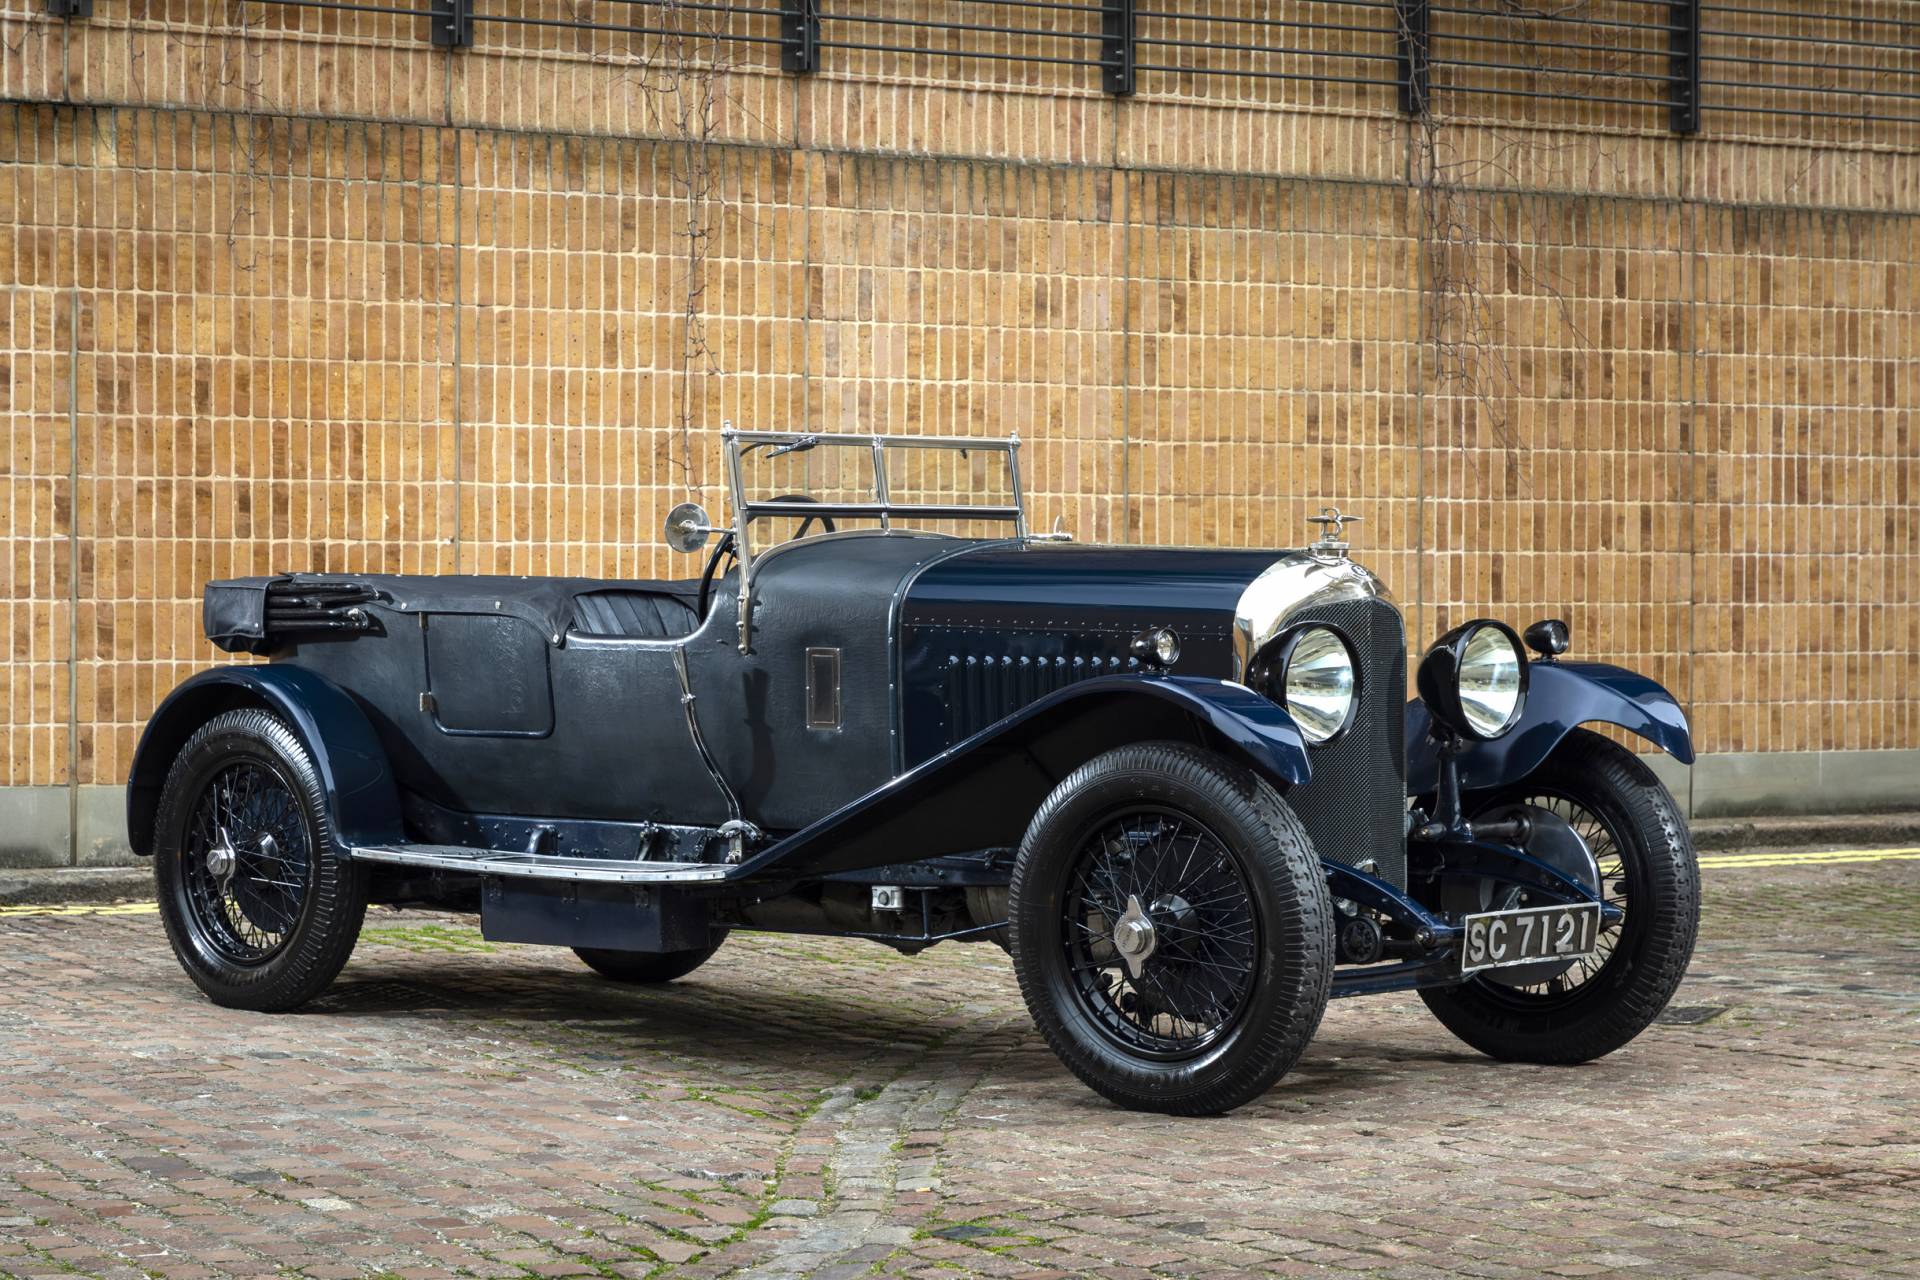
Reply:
x=88, y=885
x=1833, y=831
x=94, y=885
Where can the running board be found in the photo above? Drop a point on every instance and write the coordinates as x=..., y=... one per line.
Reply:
x=536, y=866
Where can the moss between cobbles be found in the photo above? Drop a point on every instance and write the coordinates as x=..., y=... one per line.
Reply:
x=429, y=938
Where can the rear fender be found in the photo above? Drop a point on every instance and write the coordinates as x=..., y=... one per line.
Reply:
x=363, y=801
x=1560, y=697
x=982, y=792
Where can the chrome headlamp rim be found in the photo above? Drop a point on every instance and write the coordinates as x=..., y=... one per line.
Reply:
x=1438, y=679
x=1273, y=678
x=1297, y=581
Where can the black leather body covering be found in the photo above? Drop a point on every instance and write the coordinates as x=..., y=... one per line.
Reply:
x=558, y=698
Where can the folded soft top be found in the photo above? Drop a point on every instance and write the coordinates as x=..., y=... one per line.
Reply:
x=259, y=615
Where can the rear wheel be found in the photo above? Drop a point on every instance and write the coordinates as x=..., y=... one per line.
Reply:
x=1647, y=868
x=1171, y=929
x=646, y=967
x=261, y=907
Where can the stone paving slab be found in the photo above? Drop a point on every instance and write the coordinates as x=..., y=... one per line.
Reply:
x=802, y=1107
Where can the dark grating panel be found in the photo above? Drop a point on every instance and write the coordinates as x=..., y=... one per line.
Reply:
x=1355, y=806
x=982, y=689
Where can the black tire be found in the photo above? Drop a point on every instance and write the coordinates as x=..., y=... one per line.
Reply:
x=1255, y=933
x=276, y=929
x=1652, y=861
x=643, y=968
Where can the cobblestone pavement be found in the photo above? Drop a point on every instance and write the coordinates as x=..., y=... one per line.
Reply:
x=810, y=1108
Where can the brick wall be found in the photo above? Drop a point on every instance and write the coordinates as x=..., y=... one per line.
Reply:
x=294, y=290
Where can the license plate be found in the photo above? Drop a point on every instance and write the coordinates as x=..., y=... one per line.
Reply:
x=1496, y=939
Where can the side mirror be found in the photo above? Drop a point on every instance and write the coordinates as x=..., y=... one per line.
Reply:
x=688, y=527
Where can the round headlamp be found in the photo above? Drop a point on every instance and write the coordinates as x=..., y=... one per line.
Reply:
x=1158, y=647
x=1474, y=679
x=1315, y=680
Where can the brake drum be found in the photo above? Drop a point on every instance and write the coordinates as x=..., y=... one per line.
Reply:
x=1551, y=840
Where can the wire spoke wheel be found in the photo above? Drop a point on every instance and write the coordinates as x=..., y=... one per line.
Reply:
x=261, y=903
x=1617, y=875
x=1170, y=928
x=1645, y=865
x=246, y=862
x=1161, y=938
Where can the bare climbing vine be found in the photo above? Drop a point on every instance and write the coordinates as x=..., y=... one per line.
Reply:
x=1470, y=259
x=228, y=53
x=678, y=67
x=225, y=54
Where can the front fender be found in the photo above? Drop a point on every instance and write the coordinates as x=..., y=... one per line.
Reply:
x=981, y=792
x=1560, y=697
x=363, y=801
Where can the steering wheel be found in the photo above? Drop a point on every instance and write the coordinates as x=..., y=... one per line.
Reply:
x=723, y=547
x=826, y=522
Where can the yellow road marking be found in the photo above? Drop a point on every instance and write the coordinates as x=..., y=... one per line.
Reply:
x=84, y=909
x=1826, y=857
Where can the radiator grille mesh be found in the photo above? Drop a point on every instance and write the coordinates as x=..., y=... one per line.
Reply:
x=1355, y=805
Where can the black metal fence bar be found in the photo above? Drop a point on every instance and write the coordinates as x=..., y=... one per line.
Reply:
x=1161, y=15
x=1256, y=74
x=989, y=54
x=1779, y=39
x=1588, y=53
x=1855, y=116
x=1843, y=90
x=570, y=24
x=1613, y=23
x=1859, y=20
x=1547, y=95
x=929, y=24
x=1810, y=65
x=347, y=7
x=705, y=6
x=1861, y=67
x=1603, y=73
x=1687, y=58
x=1265, y=48
x=1569, y=45
x=1058, y=5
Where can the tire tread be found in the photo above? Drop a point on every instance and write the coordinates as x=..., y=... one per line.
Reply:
x=336, y=905
x=1584, y=760
x=1306, y=946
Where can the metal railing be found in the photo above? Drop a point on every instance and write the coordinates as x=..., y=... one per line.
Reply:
x=1684, y=60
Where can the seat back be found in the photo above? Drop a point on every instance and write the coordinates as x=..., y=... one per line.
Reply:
x=633, y=613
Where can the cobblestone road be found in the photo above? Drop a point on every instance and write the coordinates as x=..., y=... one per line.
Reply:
x=809, y=1108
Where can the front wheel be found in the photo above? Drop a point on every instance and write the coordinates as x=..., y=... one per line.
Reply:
x=1171, y=930
x=261, y=906
x=1647, y=868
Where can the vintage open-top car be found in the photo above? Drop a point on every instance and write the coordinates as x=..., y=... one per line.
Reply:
x=1183, y=788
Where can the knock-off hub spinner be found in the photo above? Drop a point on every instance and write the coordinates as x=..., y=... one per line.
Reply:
x=1134, y=937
